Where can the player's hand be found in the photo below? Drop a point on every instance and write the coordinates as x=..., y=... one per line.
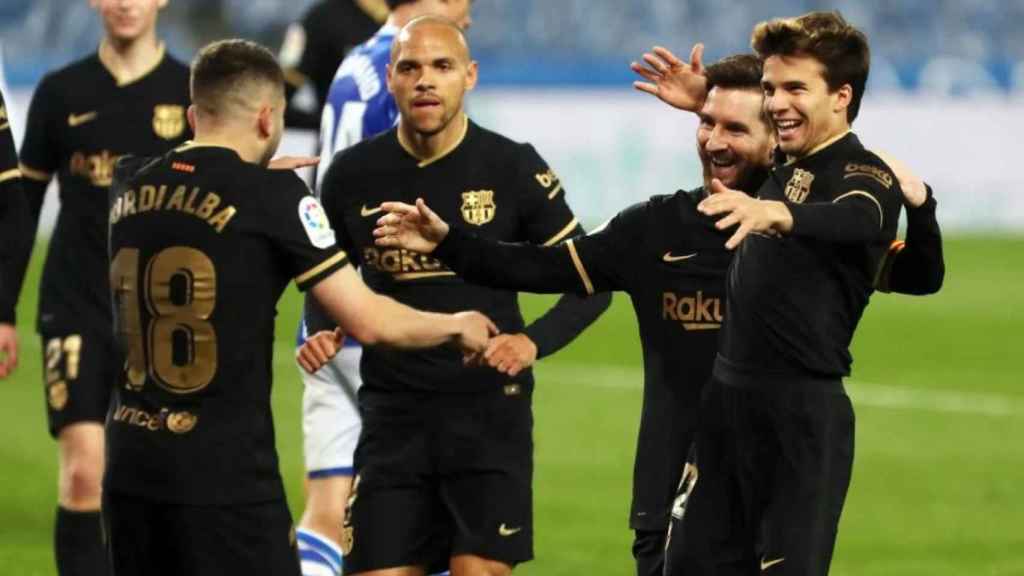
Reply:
x=293, y=162
x=415, y=228
x=319, y=349
x=475, y=332
x=8, y=349
x=676, y=83
x=914, y=191
x=510, y=353
x=749, y=214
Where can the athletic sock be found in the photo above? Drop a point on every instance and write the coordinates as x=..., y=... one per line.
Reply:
x=78, y=544
x=319, y=555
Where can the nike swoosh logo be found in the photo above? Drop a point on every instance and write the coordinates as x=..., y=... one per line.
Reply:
x=770, y=563
x=668, y=257
x=506, y=531
x=364, y=212
x=79, y=119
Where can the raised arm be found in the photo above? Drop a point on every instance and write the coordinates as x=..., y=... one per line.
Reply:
x=677, y=83
x=14, y=242
x=916, y=265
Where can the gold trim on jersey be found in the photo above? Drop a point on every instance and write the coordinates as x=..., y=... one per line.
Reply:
x=587, y=284
x=312, y=272
x=295, y=78
x=123, y=81
x=818, y=148
x=376, y=9
x=881, y=215
x=563, y=233
x=553, y=193
x=33, y=174
x=423, y=163
x=10, y=174
x=405, y=276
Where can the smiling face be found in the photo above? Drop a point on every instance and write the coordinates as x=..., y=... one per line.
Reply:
x=733, y=140
x=126, y=20
x=429, y=74
x=806, y=114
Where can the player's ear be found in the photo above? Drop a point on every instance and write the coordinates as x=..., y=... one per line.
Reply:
x=472, y=74
x=843, y=97
x=387, y=69
x=265, y=121
x=191, y=115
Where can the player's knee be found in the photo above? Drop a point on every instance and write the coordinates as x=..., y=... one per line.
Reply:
x=80, y=483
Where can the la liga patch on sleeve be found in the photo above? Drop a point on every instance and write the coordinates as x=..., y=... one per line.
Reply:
x=315, y=222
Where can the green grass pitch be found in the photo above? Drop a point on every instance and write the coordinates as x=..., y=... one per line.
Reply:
x=939, y=471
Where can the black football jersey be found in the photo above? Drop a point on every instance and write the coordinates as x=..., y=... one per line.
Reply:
x=80, y=122
x=795, y=300
x=672, y=262
x=487, y=183
x=202, y=245
x=314, y=48
x=14, y=229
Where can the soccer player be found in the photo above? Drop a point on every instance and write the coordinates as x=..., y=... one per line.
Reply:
x=128, y=97
x=444, y=460
x=775, y=449
x=358, y=106
x=315, y=46
x=203, y=241
x=13, y=243
x=670, y=259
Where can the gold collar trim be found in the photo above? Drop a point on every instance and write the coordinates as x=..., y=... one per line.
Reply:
x=121, y=81
x=790, y=159
x=423, y=162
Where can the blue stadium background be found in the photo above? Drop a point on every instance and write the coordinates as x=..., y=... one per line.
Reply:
x=946, y=46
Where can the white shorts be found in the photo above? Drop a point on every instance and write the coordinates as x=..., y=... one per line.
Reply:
x=330, y=415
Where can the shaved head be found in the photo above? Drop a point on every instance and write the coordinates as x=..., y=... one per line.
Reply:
x=432, y=26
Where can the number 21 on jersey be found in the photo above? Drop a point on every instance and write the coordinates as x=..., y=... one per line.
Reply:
x=179, y=291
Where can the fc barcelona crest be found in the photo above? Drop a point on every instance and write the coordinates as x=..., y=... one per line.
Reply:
x=168, y=121
x=478, y=206
x=799, y=186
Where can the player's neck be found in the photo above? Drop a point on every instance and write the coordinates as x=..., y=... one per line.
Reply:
x=129, y=60
x=430, y=147
x=226, y=139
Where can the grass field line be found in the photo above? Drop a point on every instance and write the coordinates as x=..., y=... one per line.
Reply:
x=863, y=393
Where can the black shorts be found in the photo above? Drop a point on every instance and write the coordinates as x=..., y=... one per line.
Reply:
x=649, y=552
x=80, y=364
x=774, y=466
x=441, y=475
x=155, y=538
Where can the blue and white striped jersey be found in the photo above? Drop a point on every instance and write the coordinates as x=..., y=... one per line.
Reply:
x=358, y=106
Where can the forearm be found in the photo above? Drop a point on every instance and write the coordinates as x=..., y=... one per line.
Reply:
x=17, y=246
x=853, y=221
x=399, y=326
x=511, y=266
x=917, y=266
x=569, y=317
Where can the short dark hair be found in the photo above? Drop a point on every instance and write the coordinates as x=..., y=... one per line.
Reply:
x=224, y=68
x=739, y=71
x=392, y=4
x=826, y=37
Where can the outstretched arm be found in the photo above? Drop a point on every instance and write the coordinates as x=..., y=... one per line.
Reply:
x=677, y=83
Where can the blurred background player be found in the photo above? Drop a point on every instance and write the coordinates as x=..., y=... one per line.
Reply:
x=14, y=243
x=445, y=456
x=128, y=97
x=203, y=242
x=314, y=47
x=358, y=106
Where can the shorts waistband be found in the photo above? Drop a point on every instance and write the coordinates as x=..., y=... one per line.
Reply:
x=731, y=375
